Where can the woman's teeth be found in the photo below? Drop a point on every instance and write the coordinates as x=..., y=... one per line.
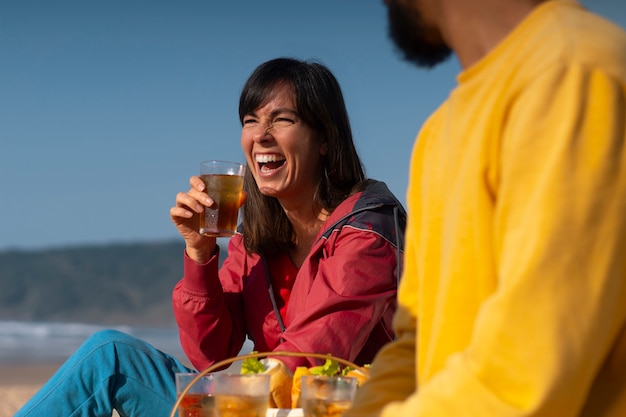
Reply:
x=268, y=163
x=264, y=159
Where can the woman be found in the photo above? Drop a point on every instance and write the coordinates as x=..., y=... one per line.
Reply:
x=313, y=267
x=303, y=181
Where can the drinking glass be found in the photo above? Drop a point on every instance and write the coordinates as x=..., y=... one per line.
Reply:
x=242, y=395
x=198, y=401
x=224, y=184
x=326, y=396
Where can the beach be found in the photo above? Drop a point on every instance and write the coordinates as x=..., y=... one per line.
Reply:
x=19, y=382
x=30, y=353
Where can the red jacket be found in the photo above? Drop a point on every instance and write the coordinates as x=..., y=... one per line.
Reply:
x=342, y=300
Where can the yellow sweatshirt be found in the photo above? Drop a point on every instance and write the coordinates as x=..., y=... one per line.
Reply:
x=513, y=298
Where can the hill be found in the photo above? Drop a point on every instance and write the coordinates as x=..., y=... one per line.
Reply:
x=110, y=284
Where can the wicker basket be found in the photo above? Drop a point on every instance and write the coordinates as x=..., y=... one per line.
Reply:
x=229, y=361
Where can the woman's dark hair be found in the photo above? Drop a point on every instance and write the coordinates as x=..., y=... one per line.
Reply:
x=320, y=105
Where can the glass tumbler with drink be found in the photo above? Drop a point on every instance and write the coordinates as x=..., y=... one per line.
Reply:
x=326, y=396
x=242, y=395
x=198, y=401
x=224, y=184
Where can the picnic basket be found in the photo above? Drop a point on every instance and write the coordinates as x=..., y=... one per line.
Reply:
x=231, y=360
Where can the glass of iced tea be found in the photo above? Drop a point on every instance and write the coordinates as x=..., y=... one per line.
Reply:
x=242, y=395
x=198, y=401
x=326, y=396
x=224, y=184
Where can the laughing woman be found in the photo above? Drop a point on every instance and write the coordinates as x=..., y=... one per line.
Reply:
x=313, y=267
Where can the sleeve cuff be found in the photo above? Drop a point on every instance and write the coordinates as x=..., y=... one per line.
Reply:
x=201, y=278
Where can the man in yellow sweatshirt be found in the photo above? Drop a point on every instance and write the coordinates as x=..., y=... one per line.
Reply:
x=513, y=297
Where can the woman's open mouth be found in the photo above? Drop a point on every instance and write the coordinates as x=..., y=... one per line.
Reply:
x=268, y=163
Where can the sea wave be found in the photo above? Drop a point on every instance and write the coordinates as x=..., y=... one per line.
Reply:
x=38, y=342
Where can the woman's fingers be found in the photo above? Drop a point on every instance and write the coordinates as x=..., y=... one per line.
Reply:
x=186, y=200
x=197, y=183
x=176, y=212
x=185, y=217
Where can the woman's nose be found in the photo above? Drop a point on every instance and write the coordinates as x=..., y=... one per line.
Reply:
x=262, y=133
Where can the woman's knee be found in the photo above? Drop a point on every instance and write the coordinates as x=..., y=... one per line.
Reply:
x=109, y=336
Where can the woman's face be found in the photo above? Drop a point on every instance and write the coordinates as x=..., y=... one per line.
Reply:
x=283, y=153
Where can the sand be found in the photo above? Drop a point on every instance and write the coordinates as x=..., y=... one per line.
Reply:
x=12, y=397
x=19, y=382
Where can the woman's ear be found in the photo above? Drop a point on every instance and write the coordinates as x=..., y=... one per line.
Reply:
x=324, y=148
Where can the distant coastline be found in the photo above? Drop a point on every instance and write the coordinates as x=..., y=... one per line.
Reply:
x=129, y=283
x=53, y=299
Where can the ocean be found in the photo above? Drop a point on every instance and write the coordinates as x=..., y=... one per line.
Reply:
x=43, y=342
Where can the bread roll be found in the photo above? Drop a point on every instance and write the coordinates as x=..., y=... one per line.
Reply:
x=281, y=381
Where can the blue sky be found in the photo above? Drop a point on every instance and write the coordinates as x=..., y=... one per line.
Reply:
x=108, y=106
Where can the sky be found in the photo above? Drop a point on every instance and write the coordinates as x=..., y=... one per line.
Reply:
x=107, y=107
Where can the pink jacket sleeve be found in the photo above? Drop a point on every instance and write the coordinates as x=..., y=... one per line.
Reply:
x=209, y=313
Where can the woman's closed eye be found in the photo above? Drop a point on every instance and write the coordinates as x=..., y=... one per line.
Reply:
x=282, y=122
x=250, y=121
x=278, y=122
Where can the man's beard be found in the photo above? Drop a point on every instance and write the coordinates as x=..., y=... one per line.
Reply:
x=413, y=38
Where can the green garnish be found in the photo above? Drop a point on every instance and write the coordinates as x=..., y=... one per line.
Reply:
x=252, y=366
x=329, y=368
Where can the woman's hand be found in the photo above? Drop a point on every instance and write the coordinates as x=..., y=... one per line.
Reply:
x=186, y=217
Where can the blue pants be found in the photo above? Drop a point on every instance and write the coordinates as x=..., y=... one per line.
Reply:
x=110, y=370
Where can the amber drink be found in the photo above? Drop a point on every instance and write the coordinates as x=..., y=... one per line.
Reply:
x=326, y=396
x=242, y=395
x=224, y=184
x=241, y=405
